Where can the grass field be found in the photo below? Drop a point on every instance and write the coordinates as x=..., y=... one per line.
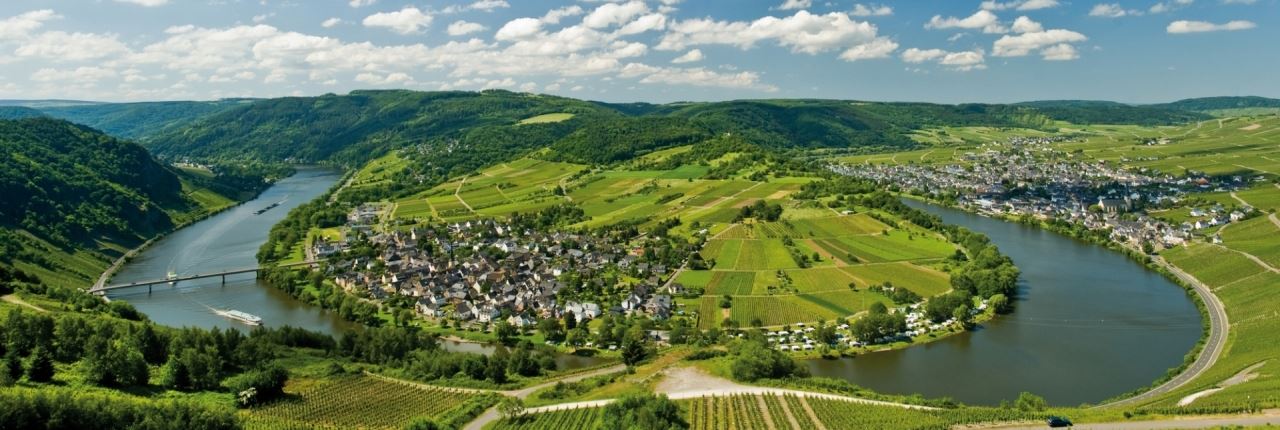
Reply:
x=547, y=118
x=353, y=402
x=1258, y=237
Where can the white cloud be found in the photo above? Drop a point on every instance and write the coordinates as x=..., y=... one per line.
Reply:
x=1111, y=10
x=406, y=21
x=21, y=26
x=803, y=32
x=1180, y=27
x=61, y=46
x=862, y=10
x=881, y=47
x=555, y=15
x=795, y=4
x=1060, y=52
x=1026, y=25
x=331, y=22
x=983, y=19
x=1239, y=1
x=1023, y=5
x=459, y=28
x=361, y=3
x=519, y=28
x=1022, y=44
x=85, y=74
x=689, y=57
x=650, y=22
x=614, y=13
x=698, y=77
x=489, y=5
x=146, y=3
x=962, y=61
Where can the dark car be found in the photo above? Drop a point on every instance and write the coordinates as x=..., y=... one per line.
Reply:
x=1056, y=422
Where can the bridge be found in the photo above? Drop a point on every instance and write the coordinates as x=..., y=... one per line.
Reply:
x=175, y=280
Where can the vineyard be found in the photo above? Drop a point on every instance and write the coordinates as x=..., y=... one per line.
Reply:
x=770, y=412
x=352, y=402
x=573, y=419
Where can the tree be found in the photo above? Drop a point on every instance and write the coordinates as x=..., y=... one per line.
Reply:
x=424, y=424
x=551, y=329
x=755, y=360
x=1000, y=303
x=963, y=316
x=510, y=407
x=570, y=321
x=12, y=364
x=643, y=412
x=40, y=365
x=635, y=347
x=1028, y=402
x=506, y=333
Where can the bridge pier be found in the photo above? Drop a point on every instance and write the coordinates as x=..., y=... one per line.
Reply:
x=224, y=279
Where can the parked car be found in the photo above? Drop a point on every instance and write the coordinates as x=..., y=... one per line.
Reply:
x=1057, y=422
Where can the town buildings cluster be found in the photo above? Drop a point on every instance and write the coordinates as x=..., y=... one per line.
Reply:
x=485, y=271
x=1031, y=177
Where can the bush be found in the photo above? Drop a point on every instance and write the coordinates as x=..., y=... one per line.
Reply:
x=643, y=412
x=266, y=385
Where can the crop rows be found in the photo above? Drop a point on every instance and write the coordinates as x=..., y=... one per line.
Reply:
x=361, y=402
x=573, y=419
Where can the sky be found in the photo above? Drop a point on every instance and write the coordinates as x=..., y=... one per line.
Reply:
x=945, y=51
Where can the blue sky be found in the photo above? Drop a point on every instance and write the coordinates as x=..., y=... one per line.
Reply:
x=643, y=50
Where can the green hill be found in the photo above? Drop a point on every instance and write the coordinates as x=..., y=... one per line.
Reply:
x=74, y=198
x=1105, y=112
x=139, y=120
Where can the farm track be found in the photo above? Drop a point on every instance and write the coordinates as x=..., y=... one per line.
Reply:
x=490, y=415
x=457, y=194
x=13, y=298
x=1267, y=418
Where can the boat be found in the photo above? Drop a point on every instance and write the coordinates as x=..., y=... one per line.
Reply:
x=172, y=277
x=243, y=317
x=273, y=206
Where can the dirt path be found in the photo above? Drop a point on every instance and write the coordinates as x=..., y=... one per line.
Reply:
x=690, y=382
x=13, y=298
x=1244, y=376
x=492, y=415
x=764, y=413
x=1274, y=220
x=457, y=194
x=1238, y=199
x=1267, y=418
x=1216, y=342
x=1254, y=258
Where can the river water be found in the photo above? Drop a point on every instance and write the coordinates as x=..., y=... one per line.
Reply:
x=1089, y=324
x=230, y=240
x=226, y=241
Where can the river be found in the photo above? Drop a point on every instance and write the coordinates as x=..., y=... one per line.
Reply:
x=230, y=240
x=1090, y=324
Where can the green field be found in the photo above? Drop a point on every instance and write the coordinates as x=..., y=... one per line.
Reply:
x=547, y=118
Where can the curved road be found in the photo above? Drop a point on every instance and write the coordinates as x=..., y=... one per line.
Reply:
x=1218, y=326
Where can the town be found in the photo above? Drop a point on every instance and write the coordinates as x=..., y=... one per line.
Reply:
x=485, y=271
x=1029, y=177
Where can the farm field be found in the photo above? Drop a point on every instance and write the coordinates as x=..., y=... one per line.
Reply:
x=755, y=264
x=574, y=419
x=1227, y=146
x=547, y=118
x=522, y=185
x=353, y=402
x=1258, y=237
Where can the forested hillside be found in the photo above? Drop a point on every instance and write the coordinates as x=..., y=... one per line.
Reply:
x=1209, y=104
x=74, y=196
x=139, y=120
x=353, y=128
x=1104, y=112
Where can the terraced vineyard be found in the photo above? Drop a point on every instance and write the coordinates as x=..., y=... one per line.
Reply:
x=353, y=402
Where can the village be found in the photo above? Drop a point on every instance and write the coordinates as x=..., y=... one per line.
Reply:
x=1029, y=177
x=478, y=273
